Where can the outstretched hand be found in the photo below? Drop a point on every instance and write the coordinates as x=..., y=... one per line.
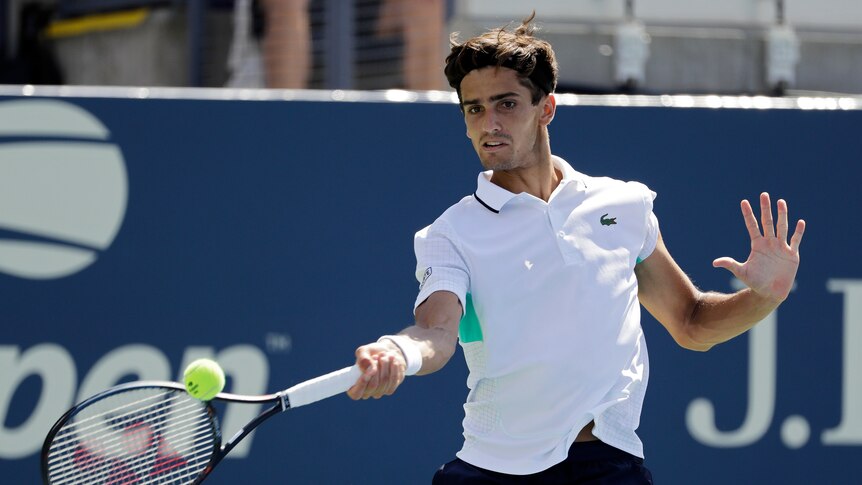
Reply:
x=771, y=267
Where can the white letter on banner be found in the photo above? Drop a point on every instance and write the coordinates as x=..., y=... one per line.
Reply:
x=145, y=362
x=849, y=430
x=248, y=369
x=55, y=367
x=700, y=416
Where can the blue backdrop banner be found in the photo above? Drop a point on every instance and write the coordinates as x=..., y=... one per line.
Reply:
x=276, y=237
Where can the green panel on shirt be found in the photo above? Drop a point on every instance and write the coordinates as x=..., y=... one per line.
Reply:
x=470, y=330
x=639, y=261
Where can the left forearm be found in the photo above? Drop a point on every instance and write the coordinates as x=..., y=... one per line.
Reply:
x=718, y=317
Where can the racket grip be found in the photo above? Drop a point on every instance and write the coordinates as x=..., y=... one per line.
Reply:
x=322, y=387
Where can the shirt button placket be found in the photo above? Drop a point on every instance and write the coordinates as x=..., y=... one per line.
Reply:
x=568, y=250
x=559, y=233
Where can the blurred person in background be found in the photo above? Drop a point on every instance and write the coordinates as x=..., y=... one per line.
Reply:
x=421, y=24
x=34, y=60
x=287, y=43
x=284, y=58
x=271, y=45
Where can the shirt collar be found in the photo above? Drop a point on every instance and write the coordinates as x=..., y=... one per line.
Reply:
x=494, y=197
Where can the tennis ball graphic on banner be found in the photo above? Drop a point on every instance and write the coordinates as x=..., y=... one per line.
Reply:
x=63, y=188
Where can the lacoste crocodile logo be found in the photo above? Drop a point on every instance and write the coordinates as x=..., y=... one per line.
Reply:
x=608, y=221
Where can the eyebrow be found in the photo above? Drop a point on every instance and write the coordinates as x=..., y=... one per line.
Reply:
x=495, y=97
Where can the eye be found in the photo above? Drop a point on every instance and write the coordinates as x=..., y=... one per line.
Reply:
x=474, y=109
x=508, y=104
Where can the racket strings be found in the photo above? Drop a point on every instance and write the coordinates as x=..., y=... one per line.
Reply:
x=95, y=424
x=157, y=462
x=166, y=437
x=72, y=436
x=156, y=466
x=71, y=439
x=194, y=436
x=153, y=456
x=119, y=474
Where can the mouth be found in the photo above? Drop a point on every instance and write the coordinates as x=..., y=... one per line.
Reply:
x=494, y=145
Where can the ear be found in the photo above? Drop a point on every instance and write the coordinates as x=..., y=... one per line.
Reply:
x=549, y=108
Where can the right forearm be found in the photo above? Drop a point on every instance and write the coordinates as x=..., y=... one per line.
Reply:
x=435, y=343
x=436, y=330
x=432, y=339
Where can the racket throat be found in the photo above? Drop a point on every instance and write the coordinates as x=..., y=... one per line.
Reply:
x=283, y=400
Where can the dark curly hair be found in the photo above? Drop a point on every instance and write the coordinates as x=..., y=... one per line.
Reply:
x=532, y=58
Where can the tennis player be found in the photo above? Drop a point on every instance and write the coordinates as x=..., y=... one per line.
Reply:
x=540, y=274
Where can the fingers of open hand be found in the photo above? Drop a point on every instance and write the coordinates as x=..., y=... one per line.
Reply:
x=797, y=235
x=779, y=230
x=766, y=216
x=782, y=226
x=729, y=264
x=750, y=220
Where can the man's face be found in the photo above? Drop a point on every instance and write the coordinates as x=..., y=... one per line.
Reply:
x=505, y=127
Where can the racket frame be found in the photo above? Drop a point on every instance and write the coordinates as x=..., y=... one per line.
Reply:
x=279, y=401
x=302, y=394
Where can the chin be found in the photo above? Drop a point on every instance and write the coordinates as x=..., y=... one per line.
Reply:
x=508, y=165
x=490, y=163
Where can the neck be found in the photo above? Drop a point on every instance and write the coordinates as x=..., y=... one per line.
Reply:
x=537, y=179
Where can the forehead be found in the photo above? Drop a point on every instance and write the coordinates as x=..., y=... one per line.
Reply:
x=482, y=84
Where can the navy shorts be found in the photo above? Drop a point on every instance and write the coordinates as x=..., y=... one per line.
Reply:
x=589, y=462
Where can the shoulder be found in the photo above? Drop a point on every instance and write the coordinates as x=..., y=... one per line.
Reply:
x=451, y=217
x=608, y=185
x=605, y=182
x=465, y=211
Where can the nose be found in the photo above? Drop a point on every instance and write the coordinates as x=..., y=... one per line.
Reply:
x=490, y=122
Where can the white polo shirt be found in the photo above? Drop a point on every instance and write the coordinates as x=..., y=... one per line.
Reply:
x=551, y=331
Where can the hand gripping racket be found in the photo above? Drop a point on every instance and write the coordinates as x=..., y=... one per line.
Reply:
x=154, y=432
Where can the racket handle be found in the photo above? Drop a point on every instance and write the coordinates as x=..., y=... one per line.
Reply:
x=322, y=387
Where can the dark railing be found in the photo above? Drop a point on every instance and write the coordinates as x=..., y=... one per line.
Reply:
x=338, y=39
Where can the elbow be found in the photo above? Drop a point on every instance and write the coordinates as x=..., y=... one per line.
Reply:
x=690, y=335
x=701, y=347
x=438, y=350
x=693, y=344
x=443, y=352
x=688, y=338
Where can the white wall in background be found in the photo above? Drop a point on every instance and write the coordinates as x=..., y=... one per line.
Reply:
x=827, y=14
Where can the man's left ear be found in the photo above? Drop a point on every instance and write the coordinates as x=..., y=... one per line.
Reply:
x=549, y=108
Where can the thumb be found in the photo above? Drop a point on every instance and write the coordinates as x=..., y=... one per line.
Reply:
x=729, y=264
x=366, y=363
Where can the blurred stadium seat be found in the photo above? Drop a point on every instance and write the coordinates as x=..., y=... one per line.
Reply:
x=699, y=46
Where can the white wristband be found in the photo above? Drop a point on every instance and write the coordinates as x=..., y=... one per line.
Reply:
x=411, y=352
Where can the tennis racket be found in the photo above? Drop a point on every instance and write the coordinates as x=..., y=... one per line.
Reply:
x=154, y=432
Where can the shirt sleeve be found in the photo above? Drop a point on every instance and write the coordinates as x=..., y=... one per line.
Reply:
x=440, y=266
x=651, y=237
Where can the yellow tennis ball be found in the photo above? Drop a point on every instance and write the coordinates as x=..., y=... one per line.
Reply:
x=204, y=379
